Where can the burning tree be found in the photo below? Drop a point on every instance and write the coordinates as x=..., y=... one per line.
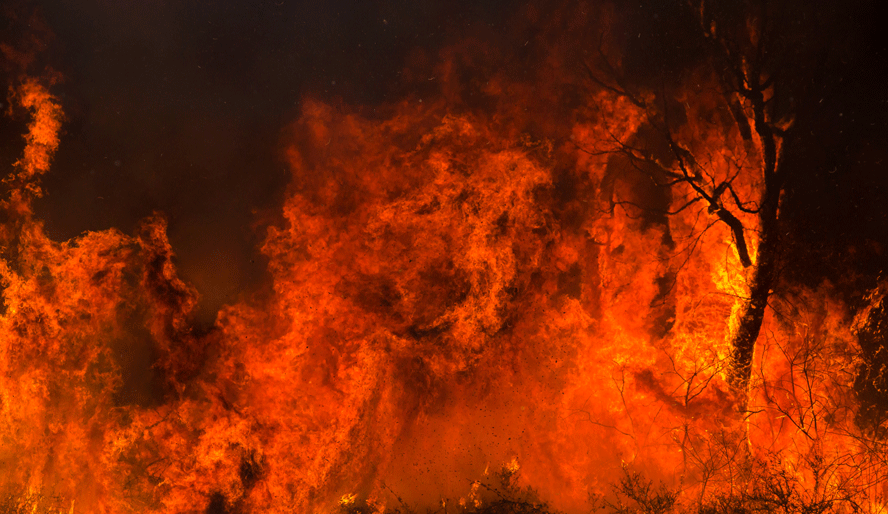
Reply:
x=720, y=143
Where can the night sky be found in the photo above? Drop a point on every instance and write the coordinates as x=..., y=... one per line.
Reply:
x=180, y=107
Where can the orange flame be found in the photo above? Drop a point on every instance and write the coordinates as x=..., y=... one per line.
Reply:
x=42, y=139
x=445, y=297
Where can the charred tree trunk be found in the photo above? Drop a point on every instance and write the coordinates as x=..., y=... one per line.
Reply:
x=753, y=313
x=765, y=271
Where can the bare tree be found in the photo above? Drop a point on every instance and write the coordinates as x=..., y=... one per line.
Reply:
x=768, y=80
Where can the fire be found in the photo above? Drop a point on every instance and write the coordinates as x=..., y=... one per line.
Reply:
x=41, y=141
x=451, y=291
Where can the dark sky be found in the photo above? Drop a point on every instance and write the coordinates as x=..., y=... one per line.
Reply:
x=179, y=107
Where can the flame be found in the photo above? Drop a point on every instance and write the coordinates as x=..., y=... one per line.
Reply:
x=41, y=140
x=449, y=290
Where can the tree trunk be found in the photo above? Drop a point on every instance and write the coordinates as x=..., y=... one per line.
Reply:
x=753, y=313
x=764, y=275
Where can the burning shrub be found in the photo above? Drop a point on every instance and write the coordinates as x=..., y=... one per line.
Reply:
x=503, y=495
x=24, y=502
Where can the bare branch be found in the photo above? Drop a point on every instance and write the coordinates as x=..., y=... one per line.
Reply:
x=612, y=89
x=658, y=211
